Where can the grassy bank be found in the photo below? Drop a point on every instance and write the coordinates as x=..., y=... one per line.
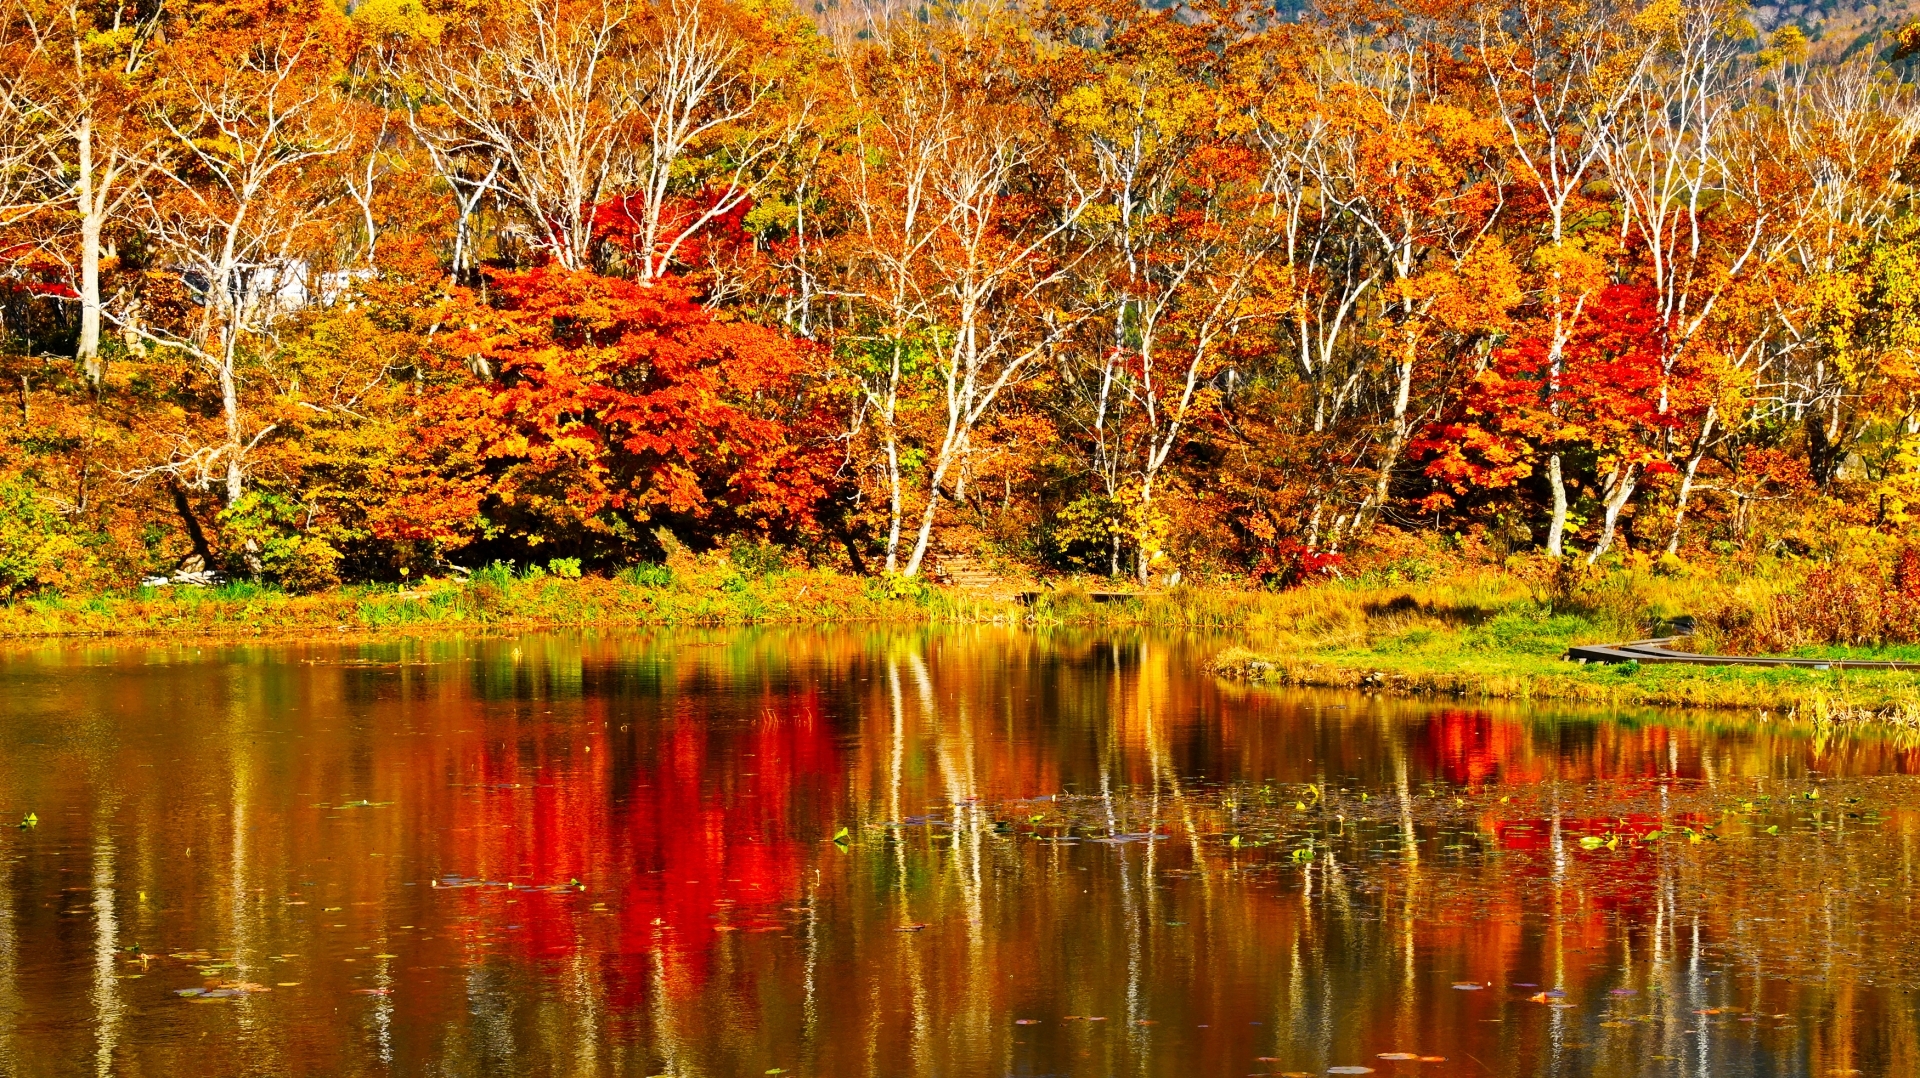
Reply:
x=499, y=599
x=1500, y=633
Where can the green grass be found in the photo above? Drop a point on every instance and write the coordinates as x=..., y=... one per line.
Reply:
x=1487, y=634
x=706, y=592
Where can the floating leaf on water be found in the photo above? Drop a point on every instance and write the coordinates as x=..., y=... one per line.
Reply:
x=1433, y=1059
x=1774, y=830
x=1026, y=1021
x=776, y=1070
x=288, y=984
x=1591, y=842
x=915, y=927
x=1349, y=1070
x=841, y=836
x=1409, y=1056
x=1468, y=986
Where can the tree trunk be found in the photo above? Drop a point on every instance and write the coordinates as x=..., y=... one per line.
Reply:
x=1557, y=530
x=1616, y=501
x=1397, y=443
x=925, y=538
x=893, y=504
x=192, y=524
x=88, y=352
x=1686, y=482
x=230, y=406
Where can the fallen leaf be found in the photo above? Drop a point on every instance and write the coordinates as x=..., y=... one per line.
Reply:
x=1399, y=1055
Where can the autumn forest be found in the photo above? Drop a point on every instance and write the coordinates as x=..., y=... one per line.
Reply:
x=313, y=294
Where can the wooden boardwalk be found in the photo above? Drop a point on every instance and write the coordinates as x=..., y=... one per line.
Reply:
x=1659, y=650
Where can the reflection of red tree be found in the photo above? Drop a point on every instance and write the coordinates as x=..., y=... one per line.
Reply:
x=1471, y=748
x=702, y=848
x=1468, y=748
x=706, y=831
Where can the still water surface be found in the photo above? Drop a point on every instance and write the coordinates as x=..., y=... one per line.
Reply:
x=1063, y=854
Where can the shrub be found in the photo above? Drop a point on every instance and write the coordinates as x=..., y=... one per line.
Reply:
x=1842, y=605
x=646, y=575
x=308, y=564
x=491, y=586
x=756, y=558
x=271, y=529
x=37, y=549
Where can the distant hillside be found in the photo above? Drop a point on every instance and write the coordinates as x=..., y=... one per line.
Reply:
x=1838, y=28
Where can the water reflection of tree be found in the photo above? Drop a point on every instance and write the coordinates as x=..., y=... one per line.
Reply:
x=693, y=783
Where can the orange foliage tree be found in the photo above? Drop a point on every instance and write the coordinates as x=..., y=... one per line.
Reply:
x=615, y=406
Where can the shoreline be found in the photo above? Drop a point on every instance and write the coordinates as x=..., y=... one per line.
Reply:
x=1887, y=697
x=1396, y=638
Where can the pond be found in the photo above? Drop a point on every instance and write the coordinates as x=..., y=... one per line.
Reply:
x=890, y=852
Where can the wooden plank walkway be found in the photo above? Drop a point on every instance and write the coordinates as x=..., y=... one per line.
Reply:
x=1658, y=650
